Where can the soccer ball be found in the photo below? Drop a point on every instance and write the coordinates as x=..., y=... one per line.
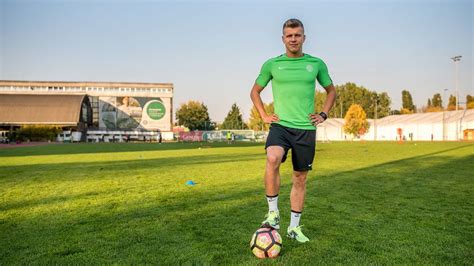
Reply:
x=266, y=243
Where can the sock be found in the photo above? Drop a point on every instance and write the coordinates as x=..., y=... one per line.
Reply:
x=295, y=218
x=272, y=203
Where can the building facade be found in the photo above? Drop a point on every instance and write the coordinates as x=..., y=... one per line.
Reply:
x=115, y=105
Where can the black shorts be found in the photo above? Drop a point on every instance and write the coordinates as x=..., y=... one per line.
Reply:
x=301, y=142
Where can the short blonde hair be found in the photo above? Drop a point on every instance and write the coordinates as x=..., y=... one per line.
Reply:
x=293, y=23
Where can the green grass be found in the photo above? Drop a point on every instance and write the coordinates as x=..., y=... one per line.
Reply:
x=384, y=203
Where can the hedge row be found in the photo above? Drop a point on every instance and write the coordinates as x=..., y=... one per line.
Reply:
x=36, y=133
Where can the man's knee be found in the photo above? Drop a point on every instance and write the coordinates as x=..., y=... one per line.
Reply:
x=274, y=156
x=273, y=160
x=299, y=178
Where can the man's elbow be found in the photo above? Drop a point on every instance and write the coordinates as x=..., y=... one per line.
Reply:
x=252, y=94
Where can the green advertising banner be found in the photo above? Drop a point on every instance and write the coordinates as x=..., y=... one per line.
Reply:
x=156, y=110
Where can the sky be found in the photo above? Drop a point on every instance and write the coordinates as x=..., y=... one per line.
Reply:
x=212, y=51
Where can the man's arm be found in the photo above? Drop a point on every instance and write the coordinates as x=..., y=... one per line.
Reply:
x=330, y=99
x=257, y=101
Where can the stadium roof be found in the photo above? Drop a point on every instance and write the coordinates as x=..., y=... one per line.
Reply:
x=427, y=118
x=420, y=118
x=83, y=84
x=24, y=109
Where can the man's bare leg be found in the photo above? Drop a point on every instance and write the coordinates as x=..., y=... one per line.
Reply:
x=272, y=170
x=297, y=196
x=298, y=190
x=272, y=185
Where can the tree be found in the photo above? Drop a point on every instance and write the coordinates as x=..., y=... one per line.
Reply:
x=194, y=115
x=437, y=101
x=470, y=102
x=320, y=98
x=395, y=112
x=407, y=102
x=451, y=103
x=383, y=105
x=350, y=93
x=405, y=111
x=433, y=104
x=234, y=119
x=356, y=121
x=255, y=121
x=432, y=109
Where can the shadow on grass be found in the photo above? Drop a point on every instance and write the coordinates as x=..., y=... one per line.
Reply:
x=84, y=148
x=391, y=213
x=121, y=166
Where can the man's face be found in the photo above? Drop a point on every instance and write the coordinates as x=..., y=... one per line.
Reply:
x=293, y=38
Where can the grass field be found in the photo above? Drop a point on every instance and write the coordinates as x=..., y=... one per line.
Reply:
x=384, y=203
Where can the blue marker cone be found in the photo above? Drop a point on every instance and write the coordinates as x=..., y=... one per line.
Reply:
x=190, y=183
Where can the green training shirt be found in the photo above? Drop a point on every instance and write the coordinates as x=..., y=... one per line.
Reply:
x=293, y=85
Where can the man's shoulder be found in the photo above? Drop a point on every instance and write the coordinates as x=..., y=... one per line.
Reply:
x=314, y=58
x=273, y=59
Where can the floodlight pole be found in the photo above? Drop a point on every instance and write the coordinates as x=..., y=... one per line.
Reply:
x=456, y=59
x=376, y=98
x=444, y=114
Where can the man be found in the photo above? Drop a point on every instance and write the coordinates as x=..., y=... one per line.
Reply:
x=228, y=136
x=293, y=125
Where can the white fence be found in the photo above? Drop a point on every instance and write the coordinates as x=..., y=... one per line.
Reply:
x=114, y=136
